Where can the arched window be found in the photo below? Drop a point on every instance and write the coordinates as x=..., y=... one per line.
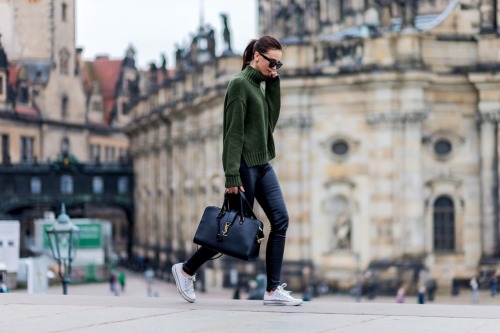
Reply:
x=444, y=224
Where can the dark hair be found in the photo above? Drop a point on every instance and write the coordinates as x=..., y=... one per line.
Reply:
x=261, y=45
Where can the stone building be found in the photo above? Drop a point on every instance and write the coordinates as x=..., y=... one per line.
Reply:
x=387, y=144
x=55, y=104
x=44, y=107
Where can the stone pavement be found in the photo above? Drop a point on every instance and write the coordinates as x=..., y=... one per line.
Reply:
x=79, y=313
x=136, y=287
x=93, y=308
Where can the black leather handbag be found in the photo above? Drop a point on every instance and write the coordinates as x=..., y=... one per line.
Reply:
x=235, y=232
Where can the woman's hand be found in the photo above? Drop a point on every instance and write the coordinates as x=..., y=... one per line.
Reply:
x=273, y=74
x=234, y=190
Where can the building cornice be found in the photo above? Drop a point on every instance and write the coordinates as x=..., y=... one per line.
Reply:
x=6, y=114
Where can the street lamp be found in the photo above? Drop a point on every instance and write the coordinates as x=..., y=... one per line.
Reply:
x=63, y=239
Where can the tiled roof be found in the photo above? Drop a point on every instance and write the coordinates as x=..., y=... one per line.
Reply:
x=107, y=73
x=13, y=71
x=27, y=111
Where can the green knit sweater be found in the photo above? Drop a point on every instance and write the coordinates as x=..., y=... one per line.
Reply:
x=250, y=116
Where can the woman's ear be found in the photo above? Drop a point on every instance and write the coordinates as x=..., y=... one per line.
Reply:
x=256, y=56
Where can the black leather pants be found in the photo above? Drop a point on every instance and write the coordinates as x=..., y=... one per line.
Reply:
x=260, y=182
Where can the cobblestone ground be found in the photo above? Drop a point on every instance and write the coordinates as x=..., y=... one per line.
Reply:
x=136, y=286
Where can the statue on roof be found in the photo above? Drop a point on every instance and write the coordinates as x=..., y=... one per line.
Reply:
x=211, y=41
x=226, y=34
x=163, y=61
x=408, y=12
x=385, y=13
x=163, y=66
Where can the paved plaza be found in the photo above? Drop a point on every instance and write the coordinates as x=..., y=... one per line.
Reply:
x=93, y=308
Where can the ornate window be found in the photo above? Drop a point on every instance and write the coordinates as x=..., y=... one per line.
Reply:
x=340, y=147
x=97, y=185
x=444, y=224
x=443, y=147
x=95, y=152
x=443, y=144
x=122, y=185
x=66, y=184
x=36, y=185
x=26, y=146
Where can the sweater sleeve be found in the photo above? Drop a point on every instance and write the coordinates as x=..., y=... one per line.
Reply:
x=273, y=99
x=234, y=114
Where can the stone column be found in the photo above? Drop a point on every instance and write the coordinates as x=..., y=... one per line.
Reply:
x=398, y=182
x=163, y=189
x=488, y=116
x=151, y=193
x=385, y=155
x=412, y=220
x=487, y=142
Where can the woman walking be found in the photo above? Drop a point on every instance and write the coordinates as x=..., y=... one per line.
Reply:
x=250, y=116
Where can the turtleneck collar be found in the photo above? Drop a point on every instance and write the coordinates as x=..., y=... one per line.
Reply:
x=253, y=75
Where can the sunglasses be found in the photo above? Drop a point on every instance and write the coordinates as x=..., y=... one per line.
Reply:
x=272, y=62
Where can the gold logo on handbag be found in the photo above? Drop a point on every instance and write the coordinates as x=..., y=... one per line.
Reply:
x=226, y=229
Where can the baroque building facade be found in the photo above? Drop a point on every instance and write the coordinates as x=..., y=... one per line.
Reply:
x=387, y=144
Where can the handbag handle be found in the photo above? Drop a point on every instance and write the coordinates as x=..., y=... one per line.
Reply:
x=245, y=205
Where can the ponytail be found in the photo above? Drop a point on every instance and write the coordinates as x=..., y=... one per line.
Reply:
x=248, y=54
x=262, y=45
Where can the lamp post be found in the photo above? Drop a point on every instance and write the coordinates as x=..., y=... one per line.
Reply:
x=63, y=239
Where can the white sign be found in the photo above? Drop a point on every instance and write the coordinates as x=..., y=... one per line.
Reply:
x=9, y=244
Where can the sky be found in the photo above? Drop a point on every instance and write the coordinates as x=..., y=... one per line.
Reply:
x=108, y=27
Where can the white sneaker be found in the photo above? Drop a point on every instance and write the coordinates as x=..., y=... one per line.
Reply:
x=184, y=284
x=281, y=297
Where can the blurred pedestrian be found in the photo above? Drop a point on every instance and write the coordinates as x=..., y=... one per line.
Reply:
x=421, y=295
x=121, y=280
x=493, y=284
x=400, y=296
x=3, y=285
x=112, y=282
x=474, y=286
x=431, y=287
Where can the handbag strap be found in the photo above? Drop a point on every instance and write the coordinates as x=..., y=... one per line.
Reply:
x=245, y=206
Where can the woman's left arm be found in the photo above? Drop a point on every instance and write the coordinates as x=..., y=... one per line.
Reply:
x=273, y=99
